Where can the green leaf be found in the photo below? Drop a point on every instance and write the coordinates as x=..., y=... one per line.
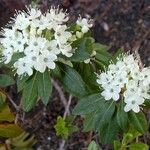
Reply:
x=6, y=115
x=99, y=64
x=104, y=114
x=6, y=80
x=108, y=132
x=103, y=59
x=101, y=48
x=21, y=83
x=69, y=124
x=30, y=93
x=44, y=86
x=10, y=130
x=139, y=146
x=130, y=136
x=88, y=104
x=101, y=53
x=93, y=146
x=86, y=71
x=138, y=120
x=89, y=122
x=122, y=117
x=66, y=62
x=2, y=99
x=117, y=145
x=23, y=142
x=83, y=49
x=56, y=72
x=61, y=128
x=73, y=82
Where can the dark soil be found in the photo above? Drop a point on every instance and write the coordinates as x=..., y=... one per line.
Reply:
x=118, y=23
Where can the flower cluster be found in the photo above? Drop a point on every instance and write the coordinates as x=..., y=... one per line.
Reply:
x=126, y=80
x=39, y=39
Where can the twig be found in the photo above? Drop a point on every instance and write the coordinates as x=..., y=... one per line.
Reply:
x=67, y=111
x=62, y=145
x=13, y=103
x=61, y=93
x=63, y=142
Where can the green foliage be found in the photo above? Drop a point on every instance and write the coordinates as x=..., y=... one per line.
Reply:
x=21, y=82
x=73, y=82
x=87, y=73
x=105, y=117
x=93, y=146
x=61, y=128
x=30, y=93
x=88, y=104
x=37, y=86
x=128, y=141
x=64, y=126
x=138, y=120
x=99, y=116
x=102, y=58
x=17, y=138
x=109, y=131
x=122, y=117
x=7, y=129
x=23, y=142
x=10, y=130
x=84, y=48
x=139, y=146
x=44, y=86
x=6, y=80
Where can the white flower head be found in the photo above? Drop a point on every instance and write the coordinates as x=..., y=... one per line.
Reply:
x=38, y=39
x=85, y=24
x=126, y=80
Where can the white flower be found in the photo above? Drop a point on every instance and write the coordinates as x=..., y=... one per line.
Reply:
x=41, y=23
x=112, y=92
x=85, y=24
x=21, y=22
x=146, y=76
x=7, y=55
x=57, y=15
x=34, y=13
x=118, y=67
x=37, y=43
x=53, y=47
x=9, y=37
x=48, y=58
x=23, y=67
x=19, y=43
x=121, y=79
x=105, y=79
x=133, y=103
x=143, y=92
x=61, y=35
x=66, y=50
